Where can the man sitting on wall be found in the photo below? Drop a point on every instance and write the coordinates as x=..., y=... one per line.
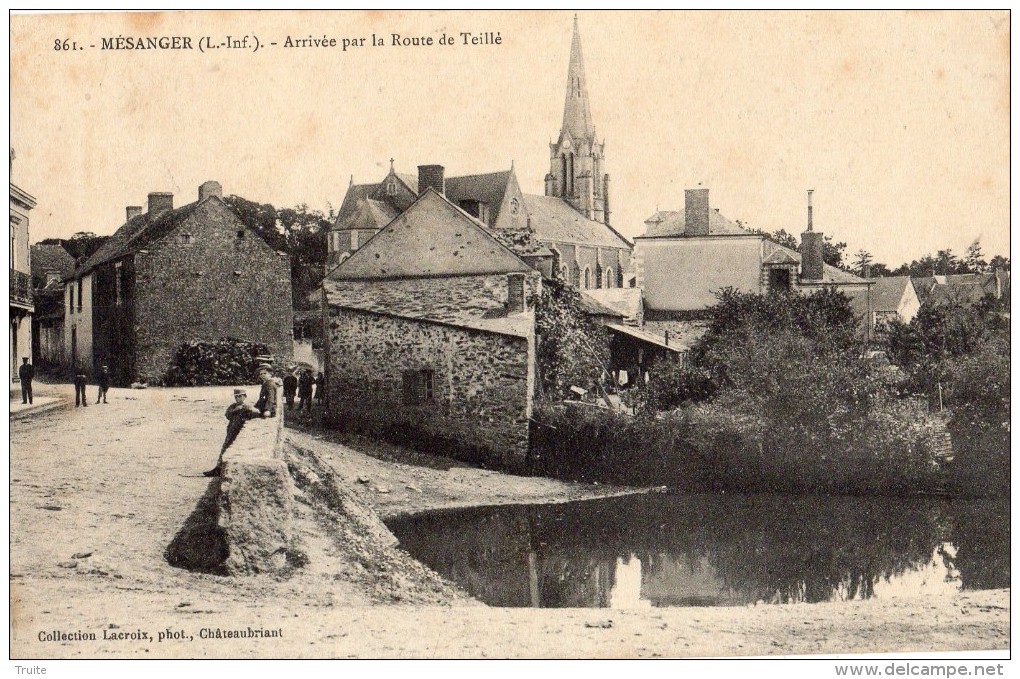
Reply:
x=237, y=414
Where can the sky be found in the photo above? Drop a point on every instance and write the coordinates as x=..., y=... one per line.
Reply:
x=898, y=120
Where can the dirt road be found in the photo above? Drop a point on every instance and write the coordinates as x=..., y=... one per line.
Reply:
x=98, y=493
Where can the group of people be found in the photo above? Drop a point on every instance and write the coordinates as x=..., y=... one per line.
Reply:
x=240, y=412
x=300, y=383
x=26, y=374
x=81, y=380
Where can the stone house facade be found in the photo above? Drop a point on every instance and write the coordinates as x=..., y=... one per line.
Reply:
x=430, y=338
x=168, y=276
x=51, y=264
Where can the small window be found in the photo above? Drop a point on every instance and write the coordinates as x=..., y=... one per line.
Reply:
x=610, y=278
x=566, y=273
x=70, y=297
x=419, y=386
x=186, y=238
x=240, y=234
x=587, y=278
x=391, y=187
x=80, y=286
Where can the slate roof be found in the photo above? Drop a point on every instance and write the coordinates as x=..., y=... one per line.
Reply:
x=648, y=337
x=555, y=220
x=626, y=302
x=460, y=306
x=887, y=292
x=672, y=222
x=488, y=188
x=594, y=307
x=433, y=237
x=138, y=232
x=358, y=211
x=48, y=258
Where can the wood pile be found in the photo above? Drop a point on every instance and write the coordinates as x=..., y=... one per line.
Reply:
x=225, y=361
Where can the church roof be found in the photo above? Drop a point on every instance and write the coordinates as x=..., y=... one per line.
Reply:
x=556, y=221
x=433, y=237
x=576, y=107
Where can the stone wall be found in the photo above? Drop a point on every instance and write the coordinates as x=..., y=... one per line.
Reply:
x=481, y=385
x=225, y=282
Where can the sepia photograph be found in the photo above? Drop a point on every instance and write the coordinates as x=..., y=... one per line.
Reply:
x=511, y=335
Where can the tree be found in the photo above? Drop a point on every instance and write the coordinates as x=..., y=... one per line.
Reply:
x=862, y=263
x=573, y=350
x=832, y=252
x=974, y=260
x=999, y=262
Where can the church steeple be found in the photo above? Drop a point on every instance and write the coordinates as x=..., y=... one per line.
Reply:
x=576, y=159
x=576, y=109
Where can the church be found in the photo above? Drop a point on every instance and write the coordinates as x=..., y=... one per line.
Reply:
x=565, y=233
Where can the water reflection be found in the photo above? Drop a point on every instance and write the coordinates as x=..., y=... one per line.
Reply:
x=712, y=550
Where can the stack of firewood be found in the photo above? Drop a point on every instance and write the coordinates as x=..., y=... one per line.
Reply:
x=226, y=361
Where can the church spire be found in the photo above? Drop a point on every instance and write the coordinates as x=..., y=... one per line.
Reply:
x=576, y=109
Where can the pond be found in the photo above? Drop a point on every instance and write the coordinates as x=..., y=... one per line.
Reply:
x=664, y=549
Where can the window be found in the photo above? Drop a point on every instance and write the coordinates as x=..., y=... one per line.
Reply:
x=186, y=238
x=80, y=284
x=610, y=279
x=70, y=297
x=587, y=278
x=354, y=240
x=779, y=280
x=566, y=274
x=391, y=187
x=419, y=386
x=240, y=234
x=13, y=246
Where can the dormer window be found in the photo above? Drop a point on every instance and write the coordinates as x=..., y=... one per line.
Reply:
x=391, y=187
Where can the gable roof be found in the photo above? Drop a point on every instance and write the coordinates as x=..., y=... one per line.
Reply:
x=781, y=256
x=433, y=237
x=488, y=188
x=627, y=302
x=48, y=258
x=555, y=220
x=140, y=231
x=887, y=292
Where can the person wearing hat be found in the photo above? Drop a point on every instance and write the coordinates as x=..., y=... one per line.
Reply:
x=238, y=413
x=267, y=395
x=103, y=380
x=26, y=373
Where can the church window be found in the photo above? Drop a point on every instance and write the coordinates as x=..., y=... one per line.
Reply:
x=610, y=279
x=391, y=187
x=564, y=184
x=587, y=278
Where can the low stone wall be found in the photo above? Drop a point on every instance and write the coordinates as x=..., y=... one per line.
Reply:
x=255, y=499
x=242, y=524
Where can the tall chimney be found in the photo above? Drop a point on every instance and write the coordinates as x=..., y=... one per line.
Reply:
x=811, y=244
x=160, y=203
x=696, y=212
x=516, y=293
x=431, y=176
x=133, y=211
x=210, y=188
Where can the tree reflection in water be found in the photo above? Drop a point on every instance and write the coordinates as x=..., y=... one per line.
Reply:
x=708, y=549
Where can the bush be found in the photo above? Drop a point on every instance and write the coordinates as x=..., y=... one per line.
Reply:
x=226, y=361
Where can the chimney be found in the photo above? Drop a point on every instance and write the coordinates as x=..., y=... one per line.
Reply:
x=696, y=212
x=811, y=243
x=160, y=203
x=516, y=293
x=431, y=176
x=208, y=189
x=133, y=211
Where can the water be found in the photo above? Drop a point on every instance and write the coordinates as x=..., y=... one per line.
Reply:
x=713, y=550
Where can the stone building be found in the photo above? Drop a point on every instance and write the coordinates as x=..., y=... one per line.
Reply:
x=168, y=276
x=51, y=264
x=430, y=338
x=566, y=232
x=893, y=298
x=686, y=257
x=22, y=306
